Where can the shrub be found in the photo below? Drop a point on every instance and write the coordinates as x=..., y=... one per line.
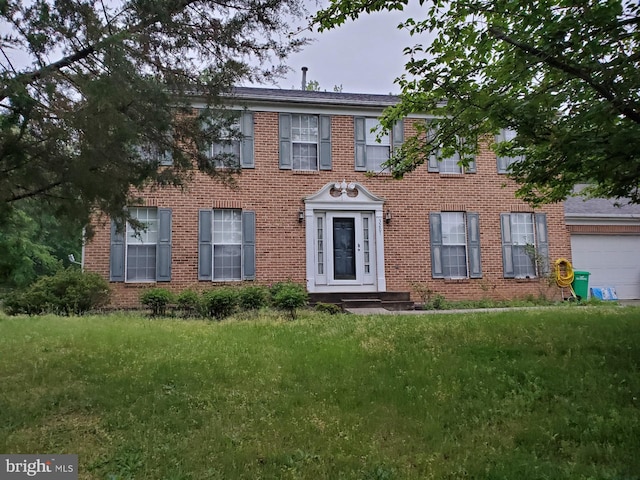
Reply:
x=68, y=291
x=438, y=302
x=253, y=297
x=157, y=300
x=330, y=308
x=220, y=302
x=188, y=302
x=289, y=296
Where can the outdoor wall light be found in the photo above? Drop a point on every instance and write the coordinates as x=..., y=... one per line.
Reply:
x=387, y=217
x=300, y=216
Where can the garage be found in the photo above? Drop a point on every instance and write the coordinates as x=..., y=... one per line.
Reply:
x=605, y=241
x=612, y=260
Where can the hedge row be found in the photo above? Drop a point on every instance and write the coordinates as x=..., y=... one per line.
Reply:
x=221, y=302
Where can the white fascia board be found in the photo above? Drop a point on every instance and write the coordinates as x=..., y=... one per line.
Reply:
x=601, y=219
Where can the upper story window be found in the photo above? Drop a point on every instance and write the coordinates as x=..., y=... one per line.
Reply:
x=525, y=248
x=373, y=150
x=503, y=162
x=154, y=152
x=235, y=144
x=448, y=165
x=226, y=152
x=455, y=245
x=305, y=142
x=143, y=255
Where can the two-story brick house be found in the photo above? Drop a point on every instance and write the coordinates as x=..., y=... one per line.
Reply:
x=312, y=206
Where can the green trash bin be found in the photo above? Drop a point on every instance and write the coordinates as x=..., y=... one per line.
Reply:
x=580, y=284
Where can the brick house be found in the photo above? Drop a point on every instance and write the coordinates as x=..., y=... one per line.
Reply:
x=313, y=206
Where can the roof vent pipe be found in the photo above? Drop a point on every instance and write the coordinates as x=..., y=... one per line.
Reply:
x=304, y=78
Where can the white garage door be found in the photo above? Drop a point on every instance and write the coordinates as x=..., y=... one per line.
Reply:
x=612, y=260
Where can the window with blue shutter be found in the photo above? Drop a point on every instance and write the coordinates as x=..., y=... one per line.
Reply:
x=525, y=246
x=145, y=255
x=455, y=245
x=305, y=142
x=226, y=245
x=504, y=162
x=448, y=165
x=233, y=151
x=372, y=149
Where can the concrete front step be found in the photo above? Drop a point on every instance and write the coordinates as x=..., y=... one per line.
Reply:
x=394, y=301
x=361, y=303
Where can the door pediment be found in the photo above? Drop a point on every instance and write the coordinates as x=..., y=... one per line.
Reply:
x=344, y=196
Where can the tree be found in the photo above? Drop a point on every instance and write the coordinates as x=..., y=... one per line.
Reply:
x=86, y=131
x=313, y=86
x=33, y=243
x=564, y=75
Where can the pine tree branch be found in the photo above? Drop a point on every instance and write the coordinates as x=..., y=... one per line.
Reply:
x=28, y=78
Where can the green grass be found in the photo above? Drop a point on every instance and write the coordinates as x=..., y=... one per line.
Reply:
x=536, y=394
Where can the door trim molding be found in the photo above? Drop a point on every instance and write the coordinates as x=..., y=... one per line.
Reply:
x=336, y=197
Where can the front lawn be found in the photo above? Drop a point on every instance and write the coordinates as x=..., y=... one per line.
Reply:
x=536, y=394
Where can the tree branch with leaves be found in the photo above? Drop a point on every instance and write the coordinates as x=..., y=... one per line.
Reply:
x=565, y=77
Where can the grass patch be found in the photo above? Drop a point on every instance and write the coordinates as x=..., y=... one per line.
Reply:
x=551, y=393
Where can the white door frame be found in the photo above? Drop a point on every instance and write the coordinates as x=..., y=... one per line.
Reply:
x=344, y=200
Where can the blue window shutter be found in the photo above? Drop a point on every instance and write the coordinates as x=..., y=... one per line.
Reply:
x=473, y=243
x=435, y=228
x=507, y=250
x=246, y=147
x=433, y=164
x=397, y=134
x=325, y=142
x=471, y=159
x=205, y=245
x=542, y=247
x=360, y=137
x=249, y=245
x=163, y=250
x=116, y=254
x=286, y=162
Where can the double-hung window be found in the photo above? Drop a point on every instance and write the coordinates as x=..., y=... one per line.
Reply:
x=371, y=149
x=504, y=163
x=455, y=245
x=141, y=246
x=156, y=152
x=525, y=247
x=142, y=255
x=226, y=152
x=234, y=146
x=226, y=245
x=305, y=142
x=447, y=165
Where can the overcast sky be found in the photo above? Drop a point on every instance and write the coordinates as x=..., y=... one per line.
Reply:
x=364, y=56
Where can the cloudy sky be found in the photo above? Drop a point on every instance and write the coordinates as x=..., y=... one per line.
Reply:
x=364, y=56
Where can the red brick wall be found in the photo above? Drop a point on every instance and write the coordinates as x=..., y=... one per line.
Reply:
x=276, y=196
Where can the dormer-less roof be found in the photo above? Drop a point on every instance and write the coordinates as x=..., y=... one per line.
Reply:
x=307, y=97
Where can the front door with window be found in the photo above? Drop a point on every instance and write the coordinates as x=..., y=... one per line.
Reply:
x=345, y=249
x=344, y=239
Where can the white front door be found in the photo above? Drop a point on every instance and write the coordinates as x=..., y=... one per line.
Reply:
x=345, y=249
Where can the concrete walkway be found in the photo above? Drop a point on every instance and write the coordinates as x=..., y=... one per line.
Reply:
x=382, y=311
